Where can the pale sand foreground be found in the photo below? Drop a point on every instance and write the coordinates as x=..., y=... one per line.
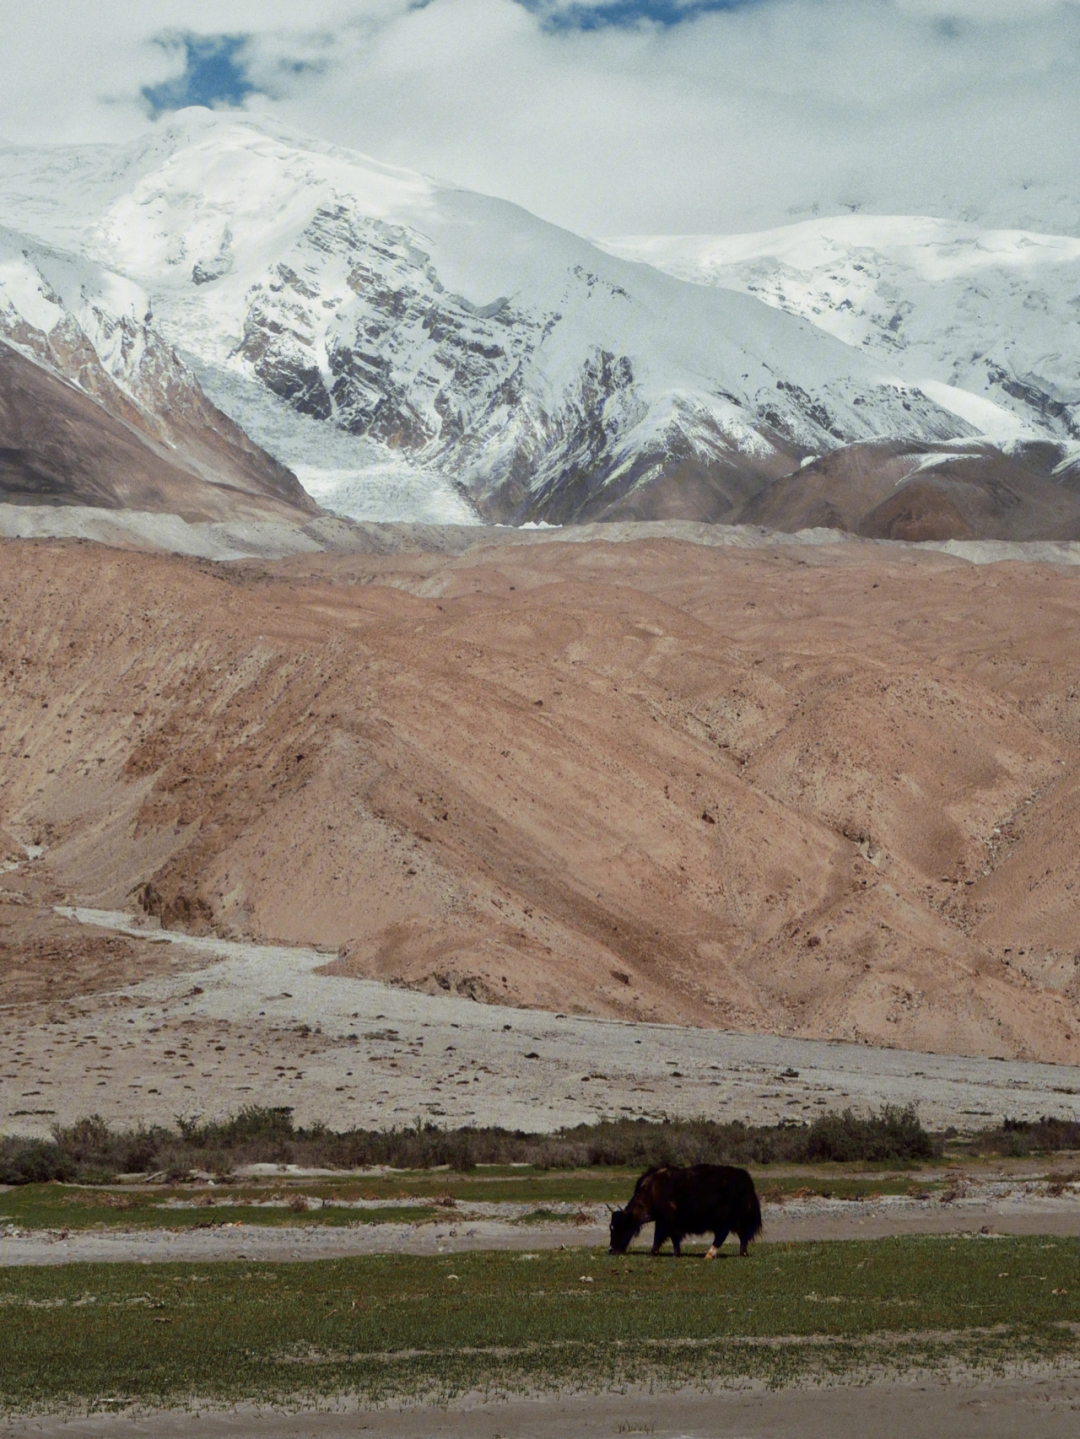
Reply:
x=1045, y=1406
x=261, y=1024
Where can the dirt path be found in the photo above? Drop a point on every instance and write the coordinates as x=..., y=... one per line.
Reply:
x=1039, y=1407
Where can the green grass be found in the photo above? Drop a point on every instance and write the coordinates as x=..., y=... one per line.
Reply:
x=386, y=1327
x=494, y=1185
x=546, y=1216
x=841, y=1185
x=62, y=1206
x=55, y=1206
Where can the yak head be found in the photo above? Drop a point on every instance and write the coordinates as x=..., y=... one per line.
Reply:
x=623, y=1229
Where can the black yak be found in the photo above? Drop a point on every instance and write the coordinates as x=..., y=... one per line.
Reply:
x=702, y=1199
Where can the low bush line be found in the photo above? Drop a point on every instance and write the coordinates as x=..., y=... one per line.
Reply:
x=92, y=1150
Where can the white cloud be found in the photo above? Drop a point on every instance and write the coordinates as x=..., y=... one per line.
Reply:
x=72, y=71
x=729, y=120
x=982, y=11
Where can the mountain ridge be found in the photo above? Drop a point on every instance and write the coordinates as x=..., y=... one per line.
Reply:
x=992, y=313
x=413, y=350
x=455, y=339
x=98, y=409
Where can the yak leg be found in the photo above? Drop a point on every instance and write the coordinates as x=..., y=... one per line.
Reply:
x=664, y=1228
x=714, y=1247
x=676, y=1244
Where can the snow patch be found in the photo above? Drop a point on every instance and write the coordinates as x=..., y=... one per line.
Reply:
x=986, y=418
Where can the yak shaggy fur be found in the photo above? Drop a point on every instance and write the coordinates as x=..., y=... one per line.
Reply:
x=712, y=1199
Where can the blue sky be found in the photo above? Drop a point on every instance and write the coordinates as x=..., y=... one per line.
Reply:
x=213, y=74
x=626, y=13
x=608, y=116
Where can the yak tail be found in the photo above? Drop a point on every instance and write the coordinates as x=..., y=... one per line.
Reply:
x=751, y=1223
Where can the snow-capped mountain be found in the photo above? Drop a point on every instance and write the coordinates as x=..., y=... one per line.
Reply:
x=386, y=334
x=992, y=314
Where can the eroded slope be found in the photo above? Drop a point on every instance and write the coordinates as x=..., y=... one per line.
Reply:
x=810, y=792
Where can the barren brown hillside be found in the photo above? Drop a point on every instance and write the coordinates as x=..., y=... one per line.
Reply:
x=70, y=436
x=816, y=792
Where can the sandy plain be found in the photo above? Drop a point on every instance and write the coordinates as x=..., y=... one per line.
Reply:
x=232, y=1023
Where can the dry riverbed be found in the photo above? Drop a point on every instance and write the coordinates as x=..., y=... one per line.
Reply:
x=219, y=1025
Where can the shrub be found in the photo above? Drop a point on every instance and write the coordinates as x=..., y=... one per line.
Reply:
x=893, y=1135
x=1019, y=1137
x=33, y=1161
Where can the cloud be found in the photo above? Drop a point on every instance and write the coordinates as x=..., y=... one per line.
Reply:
x=602, y=14
x=72, y=71
x=612, y=115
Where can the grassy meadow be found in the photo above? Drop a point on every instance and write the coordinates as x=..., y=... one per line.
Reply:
x=393, y=1327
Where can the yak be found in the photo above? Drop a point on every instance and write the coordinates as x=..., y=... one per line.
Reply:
x=700, y=1199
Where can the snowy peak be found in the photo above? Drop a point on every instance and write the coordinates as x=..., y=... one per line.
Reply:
x=457, y=338
x=215, y=196
x=416, y=350
x=987, y=322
